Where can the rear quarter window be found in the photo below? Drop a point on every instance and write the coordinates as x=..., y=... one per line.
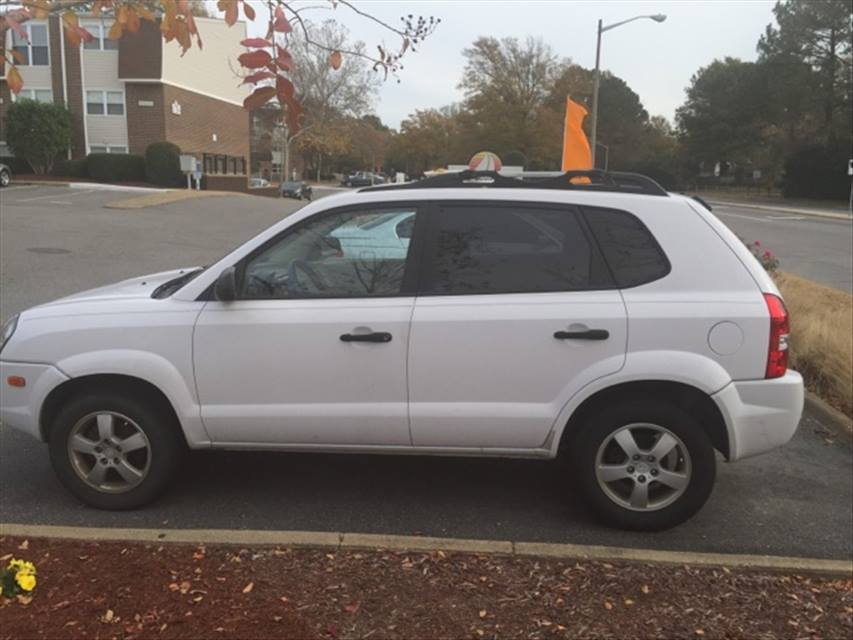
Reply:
x=630, y=249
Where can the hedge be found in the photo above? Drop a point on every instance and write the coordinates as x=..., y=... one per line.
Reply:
x=71, y=168
x=163, y=164
x=16, y=165
x=115, y=167
x=818, y=171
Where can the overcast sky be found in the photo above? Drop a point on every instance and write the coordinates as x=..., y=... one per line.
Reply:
x=656, y=60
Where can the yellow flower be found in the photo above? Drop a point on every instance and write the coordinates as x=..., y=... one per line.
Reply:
x=19, y=566
x=26, y=581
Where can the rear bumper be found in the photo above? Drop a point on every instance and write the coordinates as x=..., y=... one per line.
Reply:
x=761, y=415
x=20, y=407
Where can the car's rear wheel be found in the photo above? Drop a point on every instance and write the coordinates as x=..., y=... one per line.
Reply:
x=115, y=451
x=644, y=466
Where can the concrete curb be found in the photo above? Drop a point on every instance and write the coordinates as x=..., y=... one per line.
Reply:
x=102, y=186
x=816, y=213
x=830, y=417
x=418, y=543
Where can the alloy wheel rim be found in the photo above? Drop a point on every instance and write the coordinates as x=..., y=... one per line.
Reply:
x=643, y=467
x=109, y=452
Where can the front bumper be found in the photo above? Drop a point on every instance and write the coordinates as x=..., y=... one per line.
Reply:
x=20, y=407
x=761, y=415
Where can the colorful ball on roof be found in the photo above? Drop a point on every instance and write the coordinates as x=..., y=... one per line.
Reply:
x=485, y=161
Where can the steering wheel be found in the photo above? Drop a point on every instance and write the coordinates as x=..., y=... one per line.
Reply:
x=293, y=276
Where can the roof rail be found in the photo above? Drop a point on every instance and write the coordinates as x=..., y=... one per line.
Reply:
x=586, y=180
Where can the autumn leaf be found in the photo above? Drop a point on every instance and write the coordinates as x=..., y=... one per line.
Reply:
x=247, y=9
x=13, y=24
x=230, y=8
x=284, y=88
x=255, y=42
x=116, y=30
x=133, y=22
x=284, y=60
x=255, y=59
x=351, y=608
x=20, y=58
x=248, y=588
x=24, y=545
x=39, y=8
x=280, y=23
x=335, y=60
x=257, y=99
x=257, y=77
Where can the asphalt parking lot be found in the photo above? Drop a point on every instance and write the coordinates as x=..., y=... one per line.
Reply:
x=54, y=241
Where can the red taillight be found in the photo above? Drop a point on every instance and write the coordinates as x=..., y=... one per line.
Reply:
x=777, y=354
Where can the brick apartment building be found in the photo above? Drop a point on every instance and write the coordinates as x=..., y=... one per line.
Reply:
x=125, y=95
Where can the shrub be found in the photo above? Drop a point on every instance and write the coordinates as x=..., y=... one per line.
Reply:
x=71, y=168
x=163, y=164
x=766, y=257
x=115, y=167
x=818, y=171
x=17, y=165
x=38, y=132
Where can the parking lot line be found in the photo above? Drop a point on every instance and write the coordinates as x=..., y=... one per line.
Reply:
x=53, y=195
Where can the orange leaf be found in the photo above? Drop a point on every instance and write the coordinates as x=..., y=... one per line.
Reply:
x=255, y=42
x=18, y=56
x=70, y=19
x=13, y=24
x=132, y=20
x=14, y=80
x=116, y=30
x=247, y=9
x=39, y=8
x=122, y=14
x=259, y=98
x=231, y=14
x=85, y=36
x=335, y=60
x=248, y=587
x=254, y=59
x=145, y=14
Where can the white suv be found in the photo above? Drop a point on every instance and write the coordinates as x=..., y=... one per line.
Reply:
x=609, y=322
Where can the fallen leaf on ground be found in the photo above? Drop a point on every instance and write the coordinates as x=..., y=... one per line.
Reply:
x=24, y=545
x=248, y=588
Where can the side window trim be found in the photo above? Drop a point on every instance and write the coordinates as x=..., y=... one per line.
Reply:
x=431, y=237
x=587, y=210
x=407, y=288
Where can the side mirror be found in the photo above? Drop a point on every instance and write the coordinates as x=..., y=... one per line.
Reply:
x=226, y=285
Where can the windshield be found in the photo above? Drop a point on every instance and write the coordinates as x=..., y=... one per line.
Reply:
x=291, y=185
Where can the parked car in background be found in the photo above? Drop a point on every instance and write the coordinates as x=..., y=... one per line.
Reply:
x=5, y=175
x=362, y=179
x=258, y=183
x=298, y=189
x=447, y=317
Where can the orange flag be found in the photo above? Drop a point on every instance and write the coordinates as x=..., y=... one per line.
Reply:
x=576, y=153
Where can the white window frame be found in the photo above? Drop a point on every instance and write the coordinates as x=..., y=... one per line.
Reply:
x=27, y=26
x=100, y=30
x=109, y=148
x=29, y=93
x=104, y=103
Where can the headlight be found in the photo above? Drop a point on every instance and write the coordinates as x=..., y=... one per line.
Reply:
x=8, y=330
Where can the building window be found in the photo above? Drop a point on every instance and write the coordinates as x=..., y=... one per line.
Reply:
x=100, y=30
x=110, y=103
x=39, y=95
x=107, y=148
x=32, y=50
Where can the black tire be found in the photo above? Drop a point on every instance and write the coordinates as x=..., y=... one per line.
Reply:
x=158, y=424
x=702, y=457
x=5, y=178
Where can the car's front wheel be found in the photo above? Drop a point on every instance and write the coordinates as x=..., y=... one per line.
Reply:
x=115, y=451
x=5, y=178
x=644, y=466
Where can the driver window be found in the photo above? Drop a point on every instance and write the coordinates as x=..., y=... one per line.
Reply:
x=350, y=254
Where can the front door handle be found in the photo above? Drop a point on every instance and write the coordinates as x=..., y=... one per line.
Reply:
x=378, y=336
x=587, y=334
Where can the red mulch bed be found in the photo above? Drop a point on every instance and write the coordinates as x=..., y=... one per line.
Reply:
x=125, y=590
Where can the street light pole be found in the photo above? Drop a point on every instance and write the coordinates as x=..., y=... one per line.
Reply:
x=596, y=79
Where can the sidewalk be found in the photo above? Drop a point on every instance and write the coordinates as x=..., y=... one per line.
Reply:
x=819, y=208
x=135, y=590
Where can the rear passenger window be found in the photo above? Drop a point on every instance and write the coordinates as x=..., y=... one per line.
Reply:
x=502, y=248
x=629, y=248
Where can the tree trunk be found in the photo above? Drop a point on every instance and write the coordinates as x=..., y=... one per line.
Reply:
x=829, y=107
x=319, y=165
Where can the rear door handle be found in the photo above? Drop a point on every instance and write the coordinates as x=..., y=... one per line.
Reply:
x=588, y=334
x=378, y=336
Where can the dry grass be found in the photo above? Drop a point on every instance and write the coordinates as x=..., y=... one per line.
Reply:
x=821, y=337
